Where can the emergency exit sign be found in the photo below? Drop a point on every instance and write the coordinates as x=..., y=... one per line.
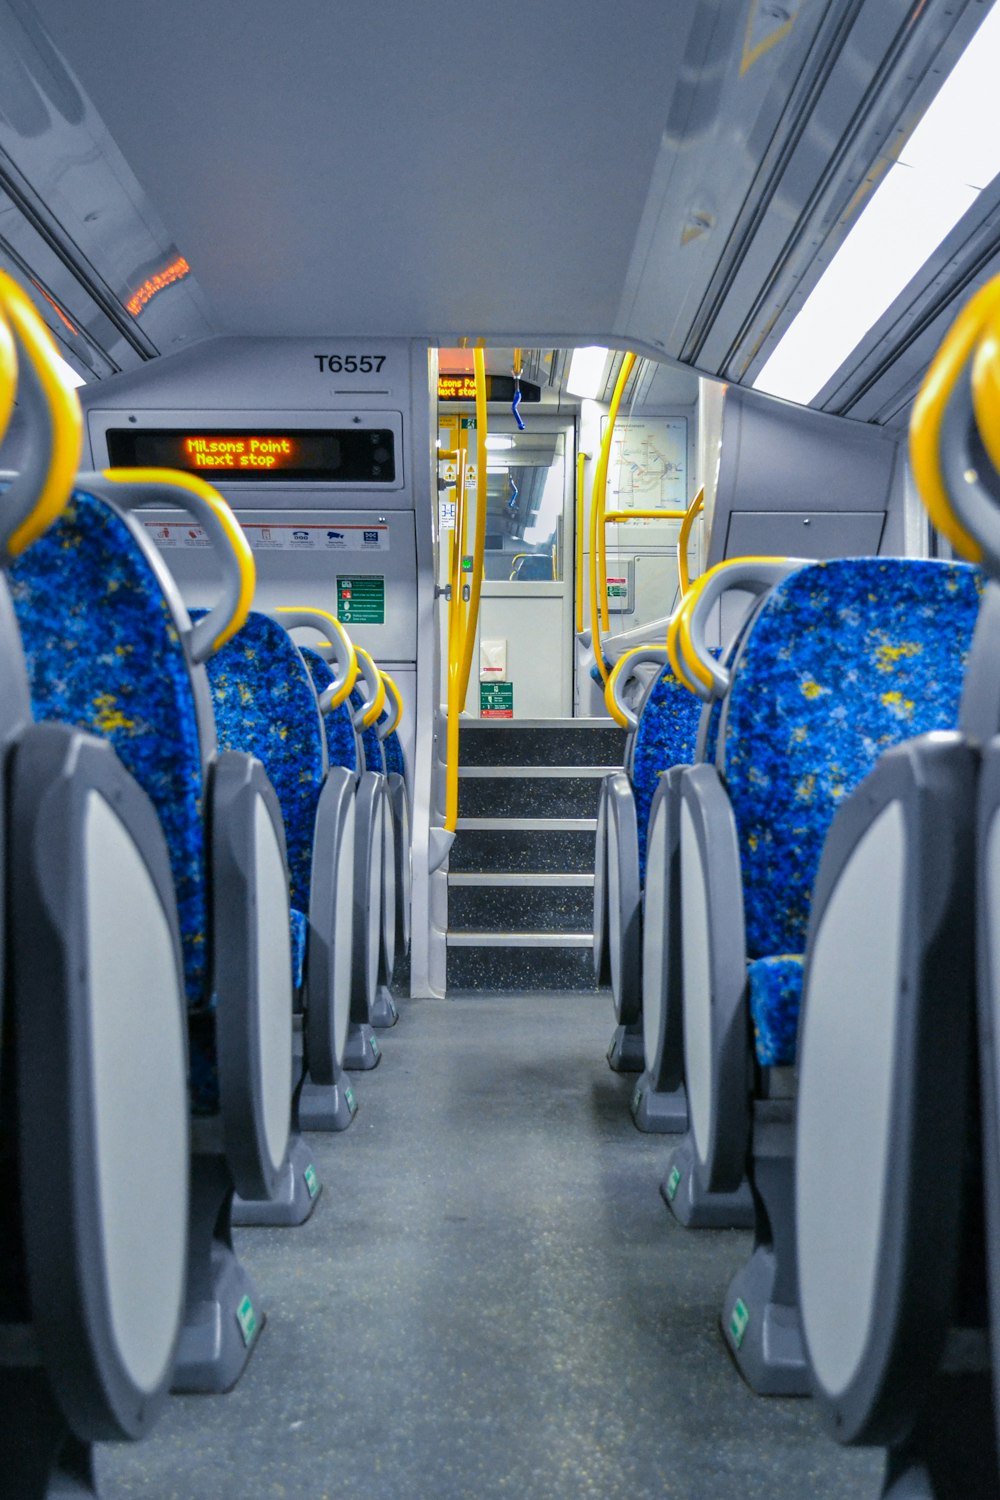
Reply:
x=361, y=601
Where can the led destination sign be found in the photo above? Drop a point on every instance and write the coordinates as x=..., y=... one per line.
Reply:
x=498, y=388
x=344, y=455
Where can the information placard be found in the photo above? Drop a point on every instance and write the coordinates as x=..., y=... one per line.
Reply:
x=361, y=601
x=496, y=700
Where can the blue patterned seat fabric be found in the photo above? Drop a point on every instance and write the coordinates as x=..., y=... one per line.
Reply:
x=341, y=741
x=104, y=654
x=393, y=752
x=371, y=745
x=846, y=659
x=265, y=705
x=666, y=736
x=300, y=931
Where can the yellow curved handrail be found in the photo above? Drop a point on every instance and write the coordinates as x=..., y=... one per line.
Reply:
x=609, y=686
x=694, y=509
x=622, y=517
x=233, y=531
x=479, y=540
x=375, y=707
x=64, y=410
x=928, y=416
x=462, y=621
x=8, y=376
x=581, y=459
x=330, y=621
x=683, y=641
x=673, y=630
x=599, y=618
x=397, y=702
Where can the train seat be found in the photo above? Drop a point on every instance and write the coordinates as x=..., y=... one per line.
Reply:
x=664, y=730
x=844, y=660
x=111, y=649
x=371, y=1004
x=366, y=717
x=92, y=1254
x=265, y=705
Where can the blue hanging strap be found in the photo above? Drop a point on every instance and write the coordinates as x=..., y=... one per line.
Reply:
x=516, y=372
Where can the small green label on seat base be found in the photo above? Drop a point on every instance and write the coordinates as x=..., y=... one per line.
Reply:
x=636, y=1101
x=247, y=1319
x=352, y=1103
x=673, y=1183
x=312, y=1181
x=374, y=1047
x=739, y=1318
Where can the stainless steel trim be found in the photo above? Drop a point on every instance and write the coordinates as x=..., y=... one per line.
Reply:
x=520, y=940
x=530, y=825
x=555, y=878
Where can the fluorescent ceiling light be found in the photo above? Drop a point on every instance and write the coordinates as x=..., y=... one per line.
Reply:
x=499, y=440
x=586, y=372
x=73, y=376
x=951, y=156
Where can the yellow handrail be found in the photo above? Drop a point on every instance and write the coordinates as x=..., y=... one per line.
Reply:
x=326, y=623
x=622, y=517
x=581, y=459
x=599, y=618
x=462, y=621
x=694, y=509
x=613, y=676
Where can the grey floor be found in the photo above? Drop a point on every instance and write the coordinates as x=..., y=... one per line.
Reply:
x=491, y=1301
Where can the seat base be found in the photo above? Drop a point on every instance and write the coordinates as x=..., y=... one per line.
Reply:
x=222, y=1321
x=327, y=1106
x=626, y=1053
x=764, y=1336
x=294, y=1200
x=384, y=1012
x=658, y=1111
x=362, y=1052
x=40, y=1459
x=760, y=1321
x=689, y=1200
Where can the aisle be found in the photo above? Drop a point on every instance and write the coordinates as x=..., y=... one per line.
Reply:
x=490, y=1301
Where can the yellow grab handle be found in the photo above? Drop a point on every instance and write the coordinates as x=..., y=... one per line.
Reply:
x=928, y=416
x=377, y=703
x=63, y=410
x=396, y=706
x=694, y=509
x=617, y=671
x=235, y=606
x=322, y=620
x=8, y=375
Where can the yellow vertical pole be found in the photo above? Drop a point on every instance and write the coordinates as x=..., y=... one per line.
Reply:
x=598, y=503
x=581, y=459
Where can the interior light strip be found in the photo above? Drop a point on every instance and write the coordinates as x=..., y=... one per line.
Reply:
x=953, y=153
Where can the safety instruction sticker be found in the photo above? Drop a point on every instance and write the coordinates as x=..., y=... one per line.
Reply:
x=181, y=534
x=361, y=601
x=281, y=536
x=496, y=700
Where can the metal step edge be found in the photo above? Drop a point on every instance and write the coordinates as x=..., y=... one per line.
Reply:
x=470, y=939
x=528, y=825
x=482, y=773
x=489, y=725
x=556, y=878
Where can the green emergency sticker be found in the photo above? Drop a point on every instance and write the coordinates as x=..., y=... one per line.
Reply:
x=312, y=1181
x=361, y=601
x=352, y=1103
x=375, y=1052
x=673, y=1183
x=739, y=1318
x=247, y=1319
x=496, y=700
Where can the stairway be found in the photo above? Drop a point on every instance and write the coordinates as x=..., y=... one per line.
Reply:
x=521, y=874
